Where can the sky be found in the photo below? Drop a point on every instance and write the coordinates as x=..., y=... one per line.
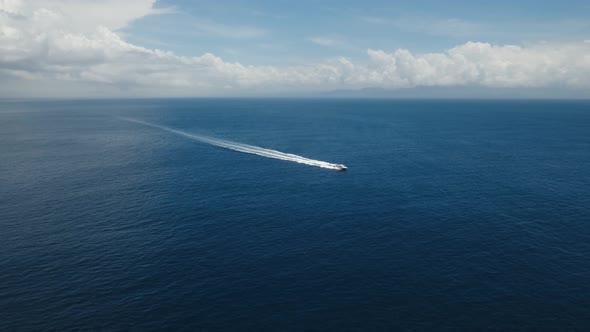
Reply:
x=182, y=48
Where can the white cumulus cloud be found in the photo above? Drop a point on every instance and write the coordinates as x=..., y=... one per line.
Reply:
x=78, y=41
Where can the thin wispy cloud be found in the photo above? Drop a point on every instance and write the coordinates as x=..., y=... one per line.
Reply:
x=462, y=28
x=375, y=20
x=260, y=13
x=325, y=41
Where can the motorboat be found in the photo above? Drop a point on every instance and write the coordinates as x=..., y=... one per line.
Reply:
x=340, y=167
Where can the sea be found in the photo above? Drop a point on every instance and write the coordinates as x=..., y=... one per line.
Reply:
x=130, y=215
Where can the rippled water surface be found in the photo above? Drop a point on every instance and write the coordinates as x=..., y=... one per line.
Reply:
x=452, y=215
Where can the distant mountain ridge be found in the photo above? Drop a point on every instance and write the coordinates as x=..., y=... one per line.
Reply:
x=456, y=93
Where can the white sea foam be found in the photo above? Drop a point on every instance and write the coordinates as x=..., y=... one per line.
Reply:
x=240, y=147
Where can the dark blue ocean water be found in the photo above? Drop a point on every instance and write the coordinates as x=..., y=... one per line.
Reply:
x=454, y=215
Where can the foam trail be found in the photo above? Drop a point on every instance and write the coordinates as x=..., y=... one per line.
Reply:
x=240, y=147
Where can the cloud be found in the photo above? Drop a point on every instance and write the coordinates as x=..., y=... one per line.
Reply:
x=483, y=64
x=465, y=29
x=323, y=41
x=375, y=20
x=60, y=43
x=85, y=15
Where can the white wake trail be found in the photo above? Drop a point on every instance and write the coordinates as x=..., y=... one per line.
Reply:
x=244, y=148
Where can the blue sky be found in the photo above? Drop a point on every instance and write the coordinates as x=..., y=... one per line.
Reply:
x=262, y=32
x=52, y=48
